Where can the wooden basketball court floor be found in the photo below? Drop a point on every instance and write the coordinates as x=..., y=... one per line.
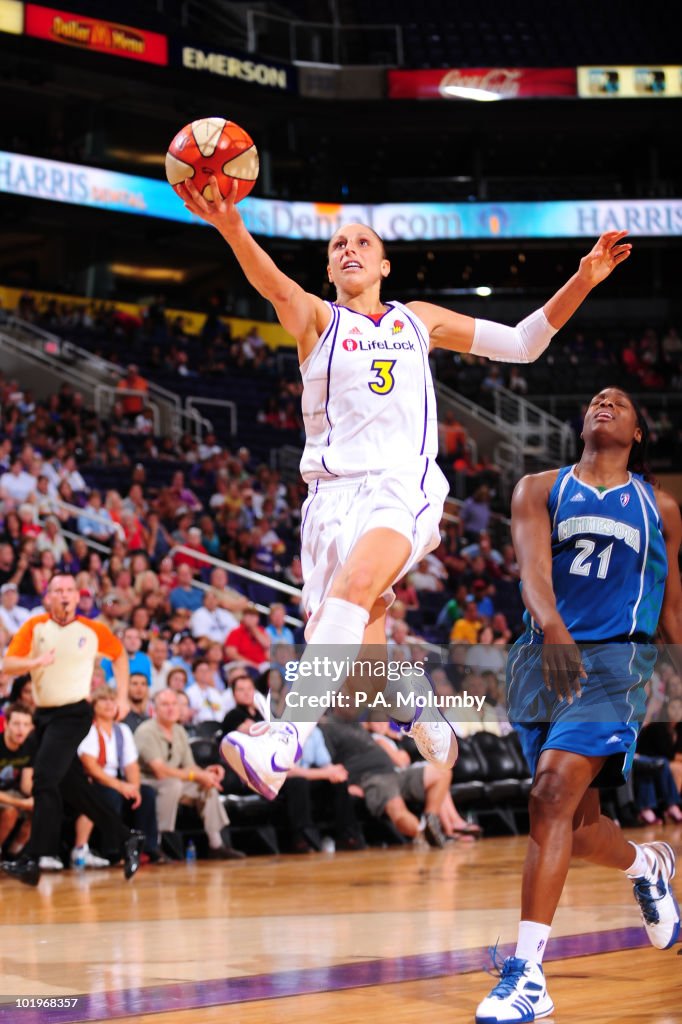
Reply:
x=395, y=935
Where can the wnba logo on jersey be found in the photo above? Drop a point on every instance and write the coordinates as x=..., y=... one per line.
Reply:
x=349, y=344
x=624, y=499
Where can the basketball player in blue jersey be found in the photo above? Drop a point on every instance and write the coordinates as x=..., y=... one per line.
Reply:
x=598, y=551
x=376, y=494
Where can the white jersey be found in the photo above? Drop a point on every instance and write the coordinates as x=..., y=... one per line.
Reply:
x=368, y=400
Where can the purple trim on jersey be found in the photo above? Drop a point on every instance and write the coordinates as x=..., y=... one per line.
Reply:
x=421, y=483
x=366, y=315
x=325, y=464
x=335, y=312
x=421, y=510
x=426, y=389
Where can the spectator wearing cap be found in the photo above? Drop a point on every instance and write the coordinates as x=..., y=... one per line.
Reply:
x=111, y=613
x=249, y=643
x=138, y=661
x=481, y=589
x=160, y=663
x=210, y=623
x=185, y=652
x=86, y=603
x=12, y=615
x=183, y=594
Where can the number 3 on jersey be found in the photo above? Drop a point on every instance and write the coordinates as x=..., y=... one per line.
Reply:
x=581, y=567
x=385, y=379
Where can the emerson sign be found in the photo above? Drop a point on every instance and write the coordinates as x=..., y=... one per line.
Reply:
x=237, y=66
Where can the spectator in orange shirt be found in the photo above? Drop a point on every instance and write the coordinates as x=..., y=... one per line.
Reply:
x=132, y=404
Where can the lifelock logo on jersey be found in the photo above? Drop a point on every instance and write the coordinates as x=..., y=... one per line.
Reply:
x=351, y=345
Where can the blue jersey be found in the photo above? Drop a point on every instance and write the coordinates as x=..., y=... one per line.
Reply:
x=609, y=562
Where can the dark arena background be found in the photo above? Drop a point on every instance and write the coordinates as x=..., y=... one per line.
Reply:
x=150, y=437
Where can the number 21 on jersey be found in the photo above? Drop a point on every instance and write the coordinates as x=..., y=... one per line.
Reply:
x=582, y=563
x=385, y=380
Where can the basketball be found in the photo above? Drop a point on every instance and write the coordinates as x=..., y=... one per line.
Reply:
x=213, y=146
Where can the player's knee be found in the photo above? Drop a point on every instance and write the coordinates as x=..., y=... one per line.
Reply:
x=356, y=584
x=548, y=797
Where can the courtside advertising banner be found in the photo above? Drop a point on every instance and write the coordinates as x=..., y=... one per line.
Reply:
x=233, y=65
x=94, y=187
x=86, y=33
x=482, y=84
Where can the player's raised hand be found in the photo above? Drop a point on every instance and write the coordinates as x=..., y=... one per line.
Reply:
x=609, y=251
x=221, y=212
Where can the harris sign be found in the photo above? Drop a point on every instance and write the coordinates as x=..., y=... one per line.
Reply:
x=95, y=187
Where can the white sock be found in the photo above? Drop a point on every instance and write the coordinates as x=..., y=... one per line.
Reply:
x=532, y=941
x=215, y=840
x=338, y=636
x=640, y=867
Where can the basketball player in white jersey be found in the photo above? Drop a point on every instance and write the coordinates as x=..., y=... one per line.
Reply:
x=376, y=494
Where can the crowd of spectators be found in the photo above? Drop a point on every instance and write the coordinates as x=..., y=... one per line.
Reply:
x=648, y=363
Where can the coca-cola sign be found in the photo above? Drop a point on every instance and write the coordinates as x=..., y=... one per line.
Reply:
x=482, y=83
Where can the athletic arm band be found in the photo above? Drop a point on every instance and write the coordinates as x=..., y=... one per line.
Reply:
x=520, y=344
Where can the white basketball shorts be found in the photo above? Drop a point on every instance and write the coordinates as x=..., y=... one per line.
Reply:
x=336, y=513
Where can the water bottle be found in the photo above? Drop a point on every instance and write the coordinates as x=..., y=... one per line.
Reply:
x=78, y=860
x=190, y=853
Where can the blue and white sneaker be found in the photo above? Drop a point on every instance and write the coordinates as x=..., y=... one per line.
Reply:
x=432, y=733
x=263, y=755
x=653, y=892
x=519, y=997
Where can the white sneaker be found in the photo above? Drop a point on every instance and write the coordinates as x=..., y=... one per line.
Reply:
x=434, y=736
x=263, y=755
x=50, y=864
x=653, y=892
x=519, y=997
x=85, y=858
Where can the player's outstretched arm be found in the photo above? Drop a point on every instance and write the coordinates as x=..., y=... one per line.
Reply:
x=303, y=315
x=531, y=336
x=532, y=534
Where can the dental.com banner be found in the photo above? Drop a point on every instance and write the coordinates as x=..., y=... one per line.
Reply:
x=60, y=182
